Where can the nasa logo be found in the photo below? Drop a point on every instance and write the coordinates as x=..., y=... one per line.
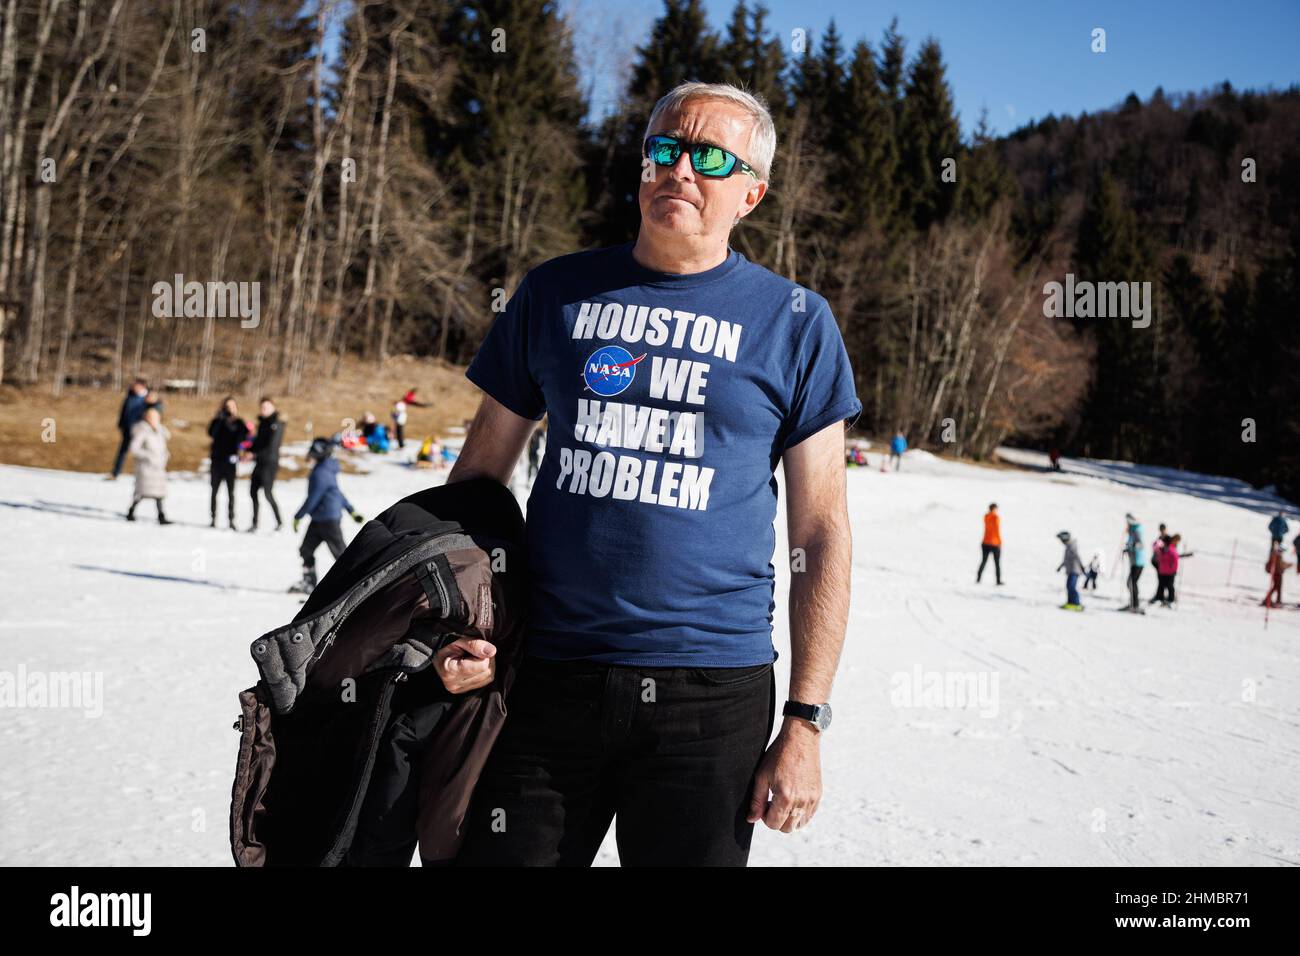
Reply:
x=610, y=370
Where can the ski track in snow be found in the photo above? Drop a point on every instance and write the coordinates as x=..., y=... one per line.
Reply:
x=1112, y=738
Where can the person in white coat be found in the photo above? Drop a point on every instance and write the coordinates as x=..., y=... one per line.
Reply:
x=399, y=422
x=149, y=439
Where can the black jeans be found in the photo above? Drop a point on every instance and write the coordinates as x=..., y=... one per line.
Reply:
x=1164, y=588
x=328, y=532
x=669, y=754
x=121, y=453
x=223, y=473
x=996, y=551
x=264, y=481
x=1134, y=572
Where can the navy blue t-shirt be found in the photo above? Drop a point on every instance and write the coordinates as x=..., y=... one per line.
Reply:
x=671, y=400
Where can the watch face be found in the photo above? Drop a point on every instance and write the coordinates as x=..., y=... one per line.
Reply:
x=824, y=716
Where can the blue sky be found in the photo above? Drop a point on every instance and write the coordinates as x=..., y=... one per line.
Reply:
x=1022, y=59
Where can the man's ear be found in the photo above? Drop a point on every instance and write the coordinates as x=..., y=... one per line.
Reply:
x=753, y=196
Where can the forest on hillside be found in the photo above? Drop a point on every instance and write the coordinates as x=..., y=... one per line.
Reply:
x=387, y=172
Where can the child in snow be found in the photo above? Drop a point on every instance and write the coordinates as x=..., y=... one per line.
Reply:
x=148, y=446
x=1096, y=566
x=324, y=505
x=1073, y=568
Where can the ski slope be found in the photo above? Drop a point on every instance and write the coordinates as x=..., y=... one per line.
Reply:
x=973, y=724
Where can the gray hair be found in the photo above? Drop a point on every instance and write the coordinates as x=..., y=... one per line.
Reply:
x=762, y=132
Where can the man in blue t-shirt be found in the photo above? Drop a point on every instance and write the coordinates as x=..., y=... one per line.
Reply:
x=675, y=375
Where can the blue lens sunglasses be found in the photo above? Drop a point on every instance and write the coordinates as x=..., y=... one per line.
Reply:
x=706, y=158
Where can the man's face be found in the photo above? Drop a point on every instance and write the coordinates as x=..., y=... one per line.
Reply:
x=266, y=409
x=681, y=203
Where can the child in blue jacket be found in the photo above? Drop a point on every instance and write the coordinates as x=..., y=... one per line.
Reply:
x=325, y=506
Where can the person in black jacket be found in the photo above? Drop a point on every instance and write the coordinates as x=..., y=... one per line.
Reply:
x=228, y=431
x=266, y=459
x=132, y=411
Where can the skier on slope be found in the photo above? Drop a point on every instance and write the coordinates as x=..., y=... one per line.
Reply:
x=1073, y=568
x=1275, y=567
x=991, y=546
x=1166, y=563
x=324, y=505
x=1096, y=566
x=1136, y=552
x=1278, y=527
x=897, y=445
x=1158, y=544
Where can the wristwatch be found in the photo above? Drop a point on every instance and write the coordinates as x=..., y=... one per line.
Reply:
x=819, y=715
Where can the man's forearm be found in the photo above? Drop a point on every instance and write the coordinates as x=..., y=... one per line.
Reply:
x=819, y=611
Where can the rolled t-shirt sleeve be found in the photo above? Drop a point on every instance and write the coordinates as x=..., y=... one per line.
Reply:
x=824, y=391
x=502, y=367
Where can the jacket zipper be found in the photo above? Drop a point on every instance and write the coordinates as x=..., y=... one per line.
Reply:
x=372, y=743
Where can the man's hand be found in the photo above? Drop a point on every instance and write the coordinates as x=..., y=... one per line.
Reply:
x=466, y=664
x=791, y=769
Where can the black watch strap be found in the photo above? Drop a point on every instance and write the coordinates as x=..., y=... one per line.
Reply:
x=817, y=714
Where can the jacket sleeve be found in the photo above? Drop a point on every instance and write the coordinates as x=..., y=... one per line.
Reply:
x=315, y=491
x=137, y=439
x=347, y=505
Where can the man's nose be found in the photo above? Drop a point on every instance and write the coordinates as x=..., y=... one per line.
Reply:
x=682, y=169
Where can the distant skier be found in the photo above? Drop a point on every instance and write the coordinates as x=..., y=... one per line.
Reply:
x=228, y=432
x=1073, y=568
x=1166, y=562
x=266, y=458
x=1275, y=567
x=1278, y=527
x=149, y=440
x=1157, y=545
x=325, y=505
x=991, y=546
x=1096, y=566
x=1136, y=552
x=897, y=445
x=1054, y=456
x=132, y=411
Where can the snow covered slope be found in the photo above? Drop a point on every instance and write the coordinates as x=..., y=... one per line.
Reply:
x=973, y=724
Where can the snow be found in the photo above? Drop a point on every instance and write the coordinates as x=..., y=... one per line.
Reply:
x=1094, y=738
